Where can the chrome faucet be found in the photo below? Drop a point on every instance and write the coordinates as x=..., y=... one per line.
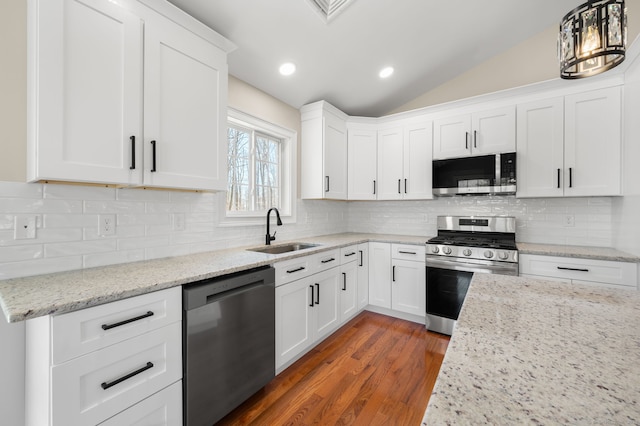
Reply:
x=270, y=237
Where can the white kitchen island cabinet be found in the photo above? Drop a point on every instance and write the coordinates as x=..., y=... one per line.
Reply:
x=563, y=141
x=491, y=131
x=324, y=152
x=109, y=102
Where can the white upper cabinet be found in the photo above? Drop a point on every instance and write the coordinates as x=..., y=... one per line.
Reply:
x=570, y=146
x=324, y=152
x=405, y=162
x=479, y=133
x=362, y=164
x=105, y=79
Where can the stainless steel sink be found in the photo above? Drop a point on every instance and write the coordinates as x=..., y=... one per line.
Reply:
x=283, y=248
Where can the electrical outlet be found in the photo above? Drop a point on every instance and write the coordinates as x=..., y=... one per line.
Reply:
x=107, y=225
x=569, y=220
x=177, y=221
x=24, y=226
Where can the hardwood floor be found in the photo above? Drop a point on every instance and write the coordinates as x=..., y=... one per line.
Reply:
x=374, y=370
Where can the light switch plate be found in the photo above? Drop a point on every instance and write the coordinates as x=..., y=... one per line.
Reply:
x=25, y=226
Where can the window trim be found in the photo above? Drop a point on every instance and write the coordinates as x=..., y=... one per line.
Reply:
x=288, y=174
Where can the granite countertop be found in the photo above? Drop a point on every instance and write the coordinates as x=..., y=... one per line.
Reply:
x=31, y=297
x=529, y=351
x=586, y=252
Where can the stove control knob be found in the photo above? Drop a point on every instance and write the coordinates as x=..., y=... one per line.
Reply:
x=503, y=255
x=446, y=250
x=467, y=252
x=434, y=249
x=488, y=254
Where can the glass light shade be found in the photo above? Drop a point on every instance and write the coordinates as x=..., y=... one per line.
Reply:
x=592, y=38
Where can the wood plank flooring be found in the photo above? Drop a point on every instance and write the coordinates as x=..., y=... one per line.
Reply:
x=374, y=370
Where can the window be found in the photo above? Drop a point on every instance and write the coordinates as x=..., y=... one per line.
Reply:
x=260, y=168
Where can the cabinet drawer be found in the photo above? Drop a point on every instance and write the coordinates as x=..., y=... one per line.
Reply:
x=294, y=269
x=348, y=254
x=327, y=260
x=96, y=386
x=577, y=269
x=161, y=409
x=408, y=252
x=80, y=332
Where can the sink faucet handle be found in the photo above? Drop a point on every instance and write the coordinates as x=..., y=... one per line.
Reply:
x=273, y=237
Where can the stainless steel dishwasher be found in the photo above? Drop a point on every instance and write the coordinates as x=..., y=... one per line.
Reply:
x=228, y=342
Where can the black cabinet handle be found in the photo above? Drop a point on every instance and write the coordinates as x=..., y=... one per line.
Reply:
x=393, y=273
x=374, y=187
x=317, y=294
x=349, y=254
x=361, y=258
x=405, y=186
x=311, y=287
x=466, y=140
x=558, y=178
x=130, y=320
x=153, y=156
x=326, y=178
x=344, y=281
x=406, y=252
x=399, y=180
x=572, y=269
x=328, y=260
x=291, y=271
x=570, y=177
x=475, y=138
x=106, y=385
x=133, y=152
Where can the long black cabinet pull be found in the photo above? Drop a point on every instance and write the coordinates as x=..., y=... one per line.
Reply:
x=311, y=287
x=326, y=189
x=466, y=140
x=344, y=281
x=572, y=269
x=130, y=320
x=393, y=273
x=106, y=385
x=133, y=152
x=405, y=186
x=291, y=271
x=317, y=294
x=328, y=260
x=570, y=177
x=153, y=156
x=558, y=178
x=475, y=138
x=374, y=187
x=361, y=258
x=399, y=180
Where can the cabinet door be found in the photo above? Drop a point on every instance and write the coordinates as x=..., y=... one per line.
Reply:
x=593, y=143
x=294, y=321
x=348, y=291
x=390, y=159
x=185, y=113
x=418, y=142
x=363, y=151
x=494, y=131
x=451, y=137
x=408, y=287
x=540, y=152
x=327, y=301
x=335, y=158
x=363, y=275
x=86, y=87
x=380, y=274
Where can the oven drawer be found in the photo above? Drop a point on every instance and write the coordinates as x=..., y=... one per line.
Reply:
x=580, y=270
x=408, y=252
x=96, y=386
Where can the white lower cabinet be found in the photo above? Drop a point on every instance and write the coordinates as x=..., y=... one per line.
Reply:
x=348, y=290
x=119, y=354
x=580, y=271
x=160, y=409
x=408, y=287
x=380, y=274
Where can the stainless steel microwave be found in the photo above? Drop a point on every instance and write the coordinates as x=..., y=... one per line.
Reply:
x=485, y=174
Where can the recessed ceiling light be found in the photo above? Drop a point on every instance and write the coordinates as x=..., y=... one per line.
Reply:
x=287, y=68
x=386, y=72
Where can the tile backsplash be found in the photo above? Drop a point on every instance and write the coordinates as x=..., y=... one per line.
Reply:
x=68, y=237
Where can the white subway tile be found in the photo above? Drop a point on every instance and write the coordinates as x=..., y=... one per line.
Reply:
x=19, y=253
x=39, y=266
x=80, y=247
x=167, y=251
x=142, y=195
x=112, y=258
x=20, y=190
x=72, y=220
x=143, y=219
x=78, y=192
x=27, y=205
x=113, y=207
x=144, y=242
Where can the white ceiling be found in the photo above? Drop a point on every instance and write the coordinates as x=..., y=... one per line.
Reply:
x=427, y=41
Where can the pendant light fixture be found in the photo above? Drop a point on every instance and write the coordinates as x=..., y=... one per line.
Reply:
x=592, y=38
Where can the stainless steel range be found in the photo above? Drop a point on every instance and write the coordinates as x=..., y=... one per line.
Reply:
x=465, y=245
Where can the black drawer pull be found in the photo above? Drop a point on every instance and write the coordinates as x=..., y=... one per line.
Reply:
x=106, y=385
x=572, y=269
x=406, y=252
x=118, y=324
x=291, y=271
x=133, y=152
x=349, y=254
x=328, y=260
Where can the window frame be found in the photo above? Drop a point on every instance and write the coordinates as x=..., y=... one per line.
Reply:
x=288, y=179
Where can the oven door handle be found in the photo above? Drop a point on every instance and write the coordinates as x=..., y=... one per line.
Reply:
x=473, y=267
